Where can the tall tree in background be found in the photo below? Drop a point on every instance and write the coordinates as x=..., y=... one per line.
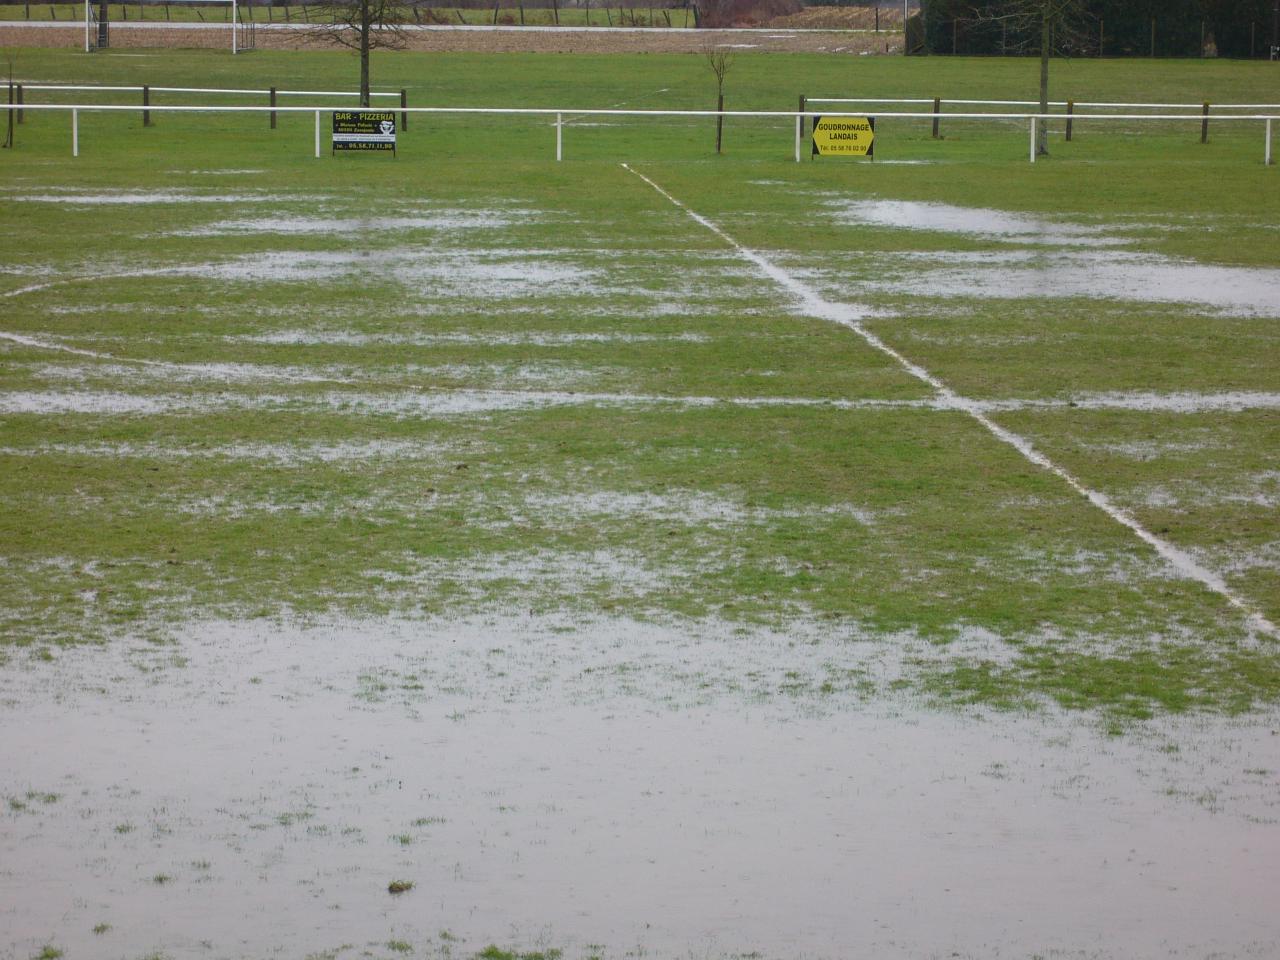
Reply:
x=364, y=26
x=1046, y=26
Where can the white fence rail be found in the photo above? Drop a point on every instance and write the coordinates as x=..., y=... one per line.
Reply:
x=1099, y=105
x=799, y=116
x=230, y=91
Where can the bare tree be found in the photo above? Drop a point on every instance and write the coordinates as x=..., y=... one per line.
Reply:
x=719, y=60
x=1044, y=26
x=362, y=25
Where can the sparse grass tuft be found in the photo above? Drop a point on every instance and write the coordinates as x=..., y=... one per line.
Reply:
x=493, y=952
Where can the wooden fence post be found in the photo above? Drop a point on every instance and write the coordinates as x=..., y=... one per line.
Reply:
x=1071, y=108
x=1204, y=124
x=273, y=104
x=803, y=105
x=937, y=109
x=21, y=101
x=404, y=102
x=146, y=102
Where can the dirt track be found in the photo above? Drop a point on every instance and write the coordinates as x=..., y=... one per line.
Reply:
x=485, y=40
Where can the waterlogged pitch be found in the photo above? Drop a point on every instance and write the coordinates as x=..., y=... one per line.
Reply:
x=648, y=554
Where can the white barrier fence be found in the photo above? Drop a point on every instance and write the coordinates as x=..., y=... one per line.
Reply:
x=799, y=116
x=229, y=91
x=1096, y=105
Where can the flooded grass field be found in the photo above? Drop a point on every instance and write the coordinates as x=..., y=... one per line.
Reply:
x=659, y=558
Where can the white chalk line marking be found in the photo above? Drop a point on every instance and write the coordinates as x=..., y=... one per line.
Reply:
x=818, y=307
x=40, y=344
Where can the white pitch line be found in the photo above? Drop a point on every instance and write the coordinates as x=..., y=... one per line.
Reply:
x=211, y=370
x=847, y=316
x=38, y=343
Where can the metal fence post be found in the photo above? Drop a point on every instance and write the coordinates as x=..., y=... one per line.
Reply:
x=317, y=134
x=559, y=137
x=799, y=134
x=1267, y=153
x=1033, y=139
x=75, y=133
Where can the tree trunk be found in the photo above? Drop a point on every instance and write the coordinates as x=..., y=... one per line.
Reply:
x=1042, y=134
x=719, y=121
x=365, y=17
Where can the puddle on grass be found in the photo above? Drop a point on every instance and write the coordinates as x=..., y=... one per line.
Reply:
x=135, y=197
x=679, y=506
x=972, y=221
x=1113, y=275
x=475, y=273
x=544, y=374
x=279, y=454
x=496, y=338
x=441, y=220
x=1066, y=272
x=216, y=173
x=465, y=402
x=1234, y=401
x=1234, y=560
x=399, y=405
x=471, y=273
x=253, y=790
x=1261, y=489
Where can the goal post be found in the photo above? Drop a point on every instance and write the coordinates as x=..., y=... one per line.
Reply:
x=97, y=29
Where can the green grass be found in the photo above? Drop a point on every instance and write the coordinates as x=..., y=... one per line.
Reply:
x=683, y=504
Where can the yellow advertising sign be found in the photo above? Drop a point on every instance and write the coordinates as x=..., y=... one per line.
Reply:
x=844, y=136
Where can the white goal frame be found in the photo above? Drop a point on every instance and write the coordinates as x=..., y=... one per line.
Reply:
x=91, y=22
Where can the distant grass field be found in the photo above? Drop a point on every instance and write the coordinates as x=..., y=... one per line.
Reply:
x=599, y=16
x=470, y=378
